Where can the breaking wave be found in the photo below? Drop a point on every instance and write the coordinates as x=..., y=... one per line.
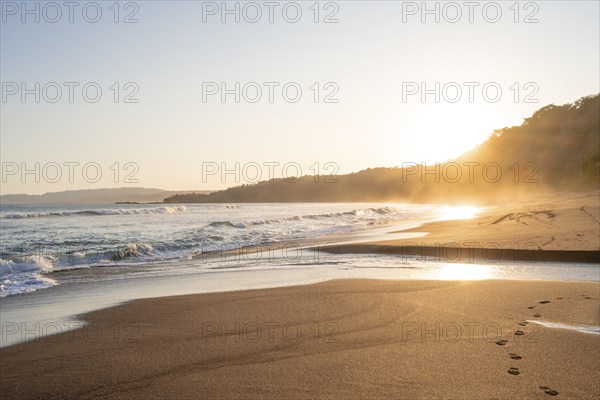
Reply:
x=358, y=213
x=107, y=211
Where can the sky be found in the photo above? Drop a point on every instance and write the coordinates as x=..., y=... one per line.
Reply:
x=367, y=84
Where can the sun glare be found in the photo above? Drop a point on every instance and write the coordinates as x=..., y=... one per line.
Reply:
x=464, y=272
x=445, y=131
x=458, y=212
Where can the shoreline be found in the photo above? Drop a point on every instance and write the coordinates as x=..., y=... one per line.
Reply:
x=449, y=253
x=355, y=334
x=416, y=247
x=63, y=305
x=551, y=229
x=370, y=330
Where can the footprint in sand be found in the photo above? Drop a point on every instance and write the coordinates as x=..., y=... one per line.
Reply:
x=544, y=301
x=502, y=342
x=519, y=333
x=524, y=323
x=552, y=239
x=515, y=356
x=513, y=371
x=591, y=216
x=531, y=307
x=559, y=298
x=538, y=315
x=549, y=391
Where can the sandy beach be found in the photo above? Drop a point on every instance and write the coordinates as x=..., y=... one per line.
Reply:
x=300, y=200
x=347, y=338
x=562, y=227
x=338, y=339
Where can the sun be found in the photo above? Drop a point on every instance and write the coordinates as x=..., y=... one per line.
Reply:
x=440, y=132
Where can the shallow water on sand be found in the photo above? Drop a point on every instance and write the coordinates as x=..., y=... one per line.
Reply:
x=32, y=315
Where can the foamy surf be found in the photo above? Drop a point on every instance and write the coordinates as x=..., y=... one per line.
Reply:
x=97, y=212
x=41, y=240
x=24, y=277
x=353, y=213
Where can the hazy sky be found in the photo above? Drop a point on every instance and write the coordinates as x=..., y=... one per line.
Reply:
x=371, y=61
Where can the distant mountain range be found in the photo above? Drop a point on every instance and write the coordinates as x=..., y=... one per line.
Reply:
x=556, y=149
x=94, y=196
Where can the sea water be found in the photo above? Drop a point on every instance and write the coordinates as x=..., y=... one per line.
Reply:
x=39, y=243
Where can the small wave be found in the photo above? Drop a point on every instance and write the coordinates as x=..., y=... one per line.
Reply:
x=32, y=263
x=24, y=283
x=107, y=211
x=132, y=250
x=51, y=262
x=357, y=213
x=228, y=223
x=27, y=276
x=28, y=273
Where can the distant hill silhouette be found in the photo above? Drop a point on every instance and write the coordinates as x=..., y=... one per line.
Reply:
x=91, y=196
x=556, y=149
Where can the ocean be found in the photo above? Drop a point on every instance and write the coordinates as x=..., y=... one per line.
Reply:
x=46, y=246
x=39, y=243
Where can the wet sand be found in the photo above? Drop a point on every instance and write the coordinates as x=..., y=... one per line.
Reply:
x=337, y=339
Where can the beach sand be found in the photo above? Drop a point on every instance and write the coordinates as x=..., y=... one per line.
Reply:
x=350, y=338
x=337, y=339
x=563, y=227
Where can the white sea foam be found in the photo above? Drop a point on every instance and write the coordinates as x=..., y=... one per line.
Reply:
x=108, y=211
x=325, y=216
x=26, y=276
x=31, y=263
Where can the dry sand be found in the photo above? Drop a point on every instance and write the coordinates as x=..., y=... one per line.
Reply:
x=338, y=339
x=563, y=227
